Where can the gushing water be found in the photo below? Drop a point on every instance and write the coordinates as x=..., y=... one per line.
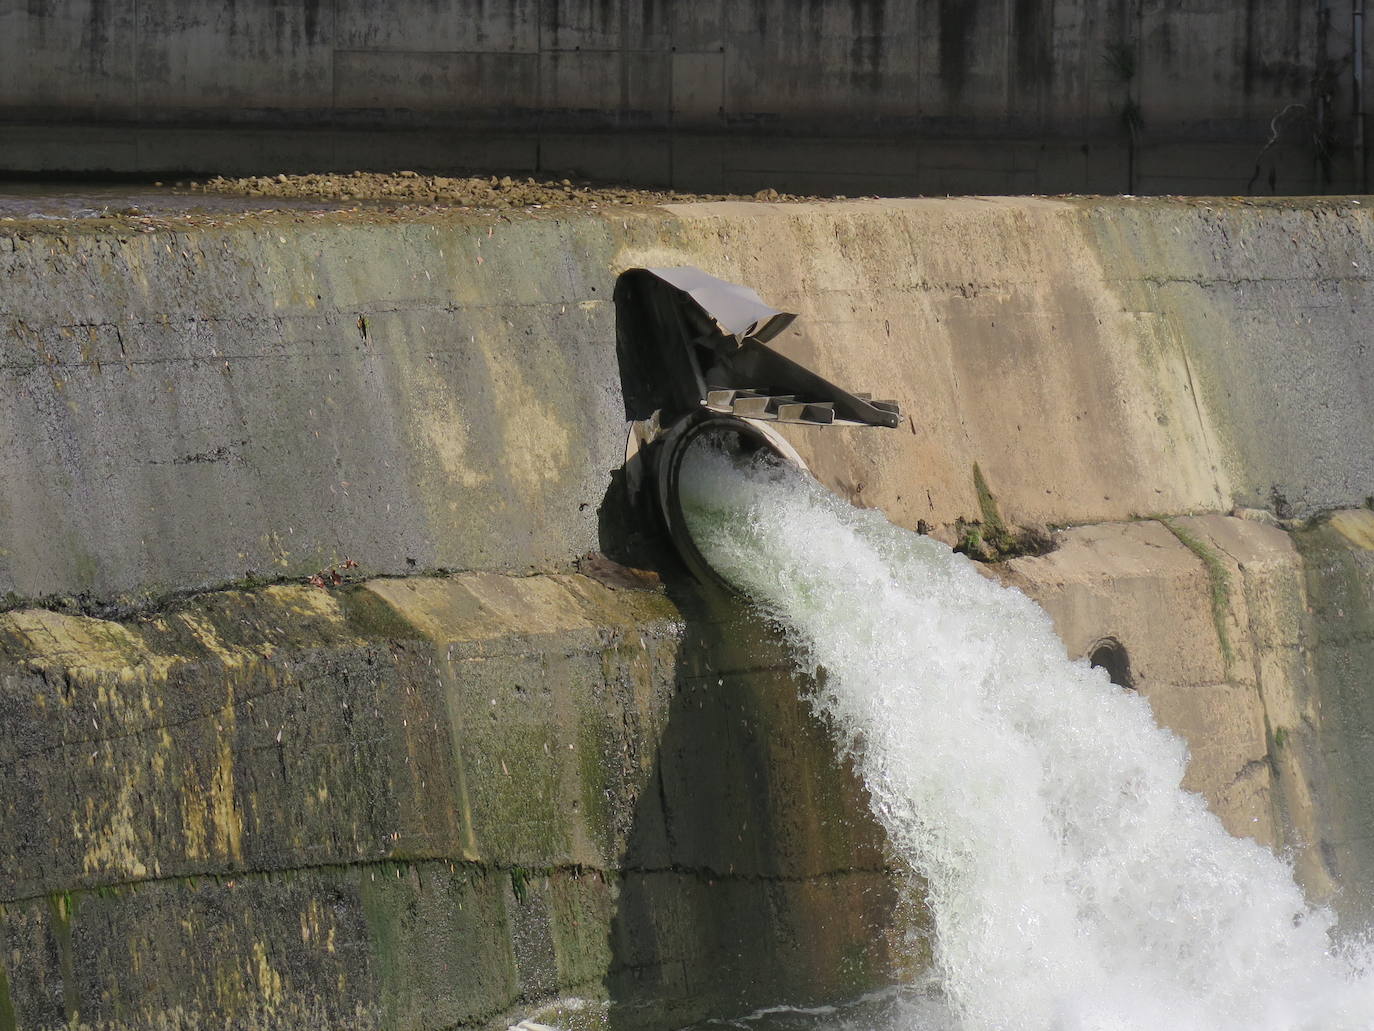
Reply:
x=1072, y=883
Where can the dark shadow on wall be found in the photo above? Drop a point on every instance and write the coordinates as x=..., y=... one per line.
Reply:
x=751, y=872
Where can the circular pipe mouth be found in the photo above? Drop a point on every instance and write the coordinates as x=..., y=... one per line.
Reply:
x=743, y=436
x=1110, y=654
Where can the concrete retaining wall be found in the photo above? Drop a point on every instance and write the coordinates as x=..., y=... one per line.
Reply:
x=473, y=779
x=421, y=803
x=845, y=96
x=196, y=404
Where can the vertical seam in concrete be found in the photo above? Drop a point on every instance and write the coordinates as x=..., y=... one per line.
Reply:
x=1008, y=27
x=1138, y=80
x=1249, y=627
x=1202, y=427
x=624, y=65
x=455, y=723
x=1251, y=630
x=540, y=101
x=334, y=73
x=138, y=92
x=1219, y=587
x=672, y=110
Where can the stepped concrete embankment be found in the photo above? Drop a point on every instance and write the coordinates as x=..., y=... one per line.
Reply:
x=483, y=772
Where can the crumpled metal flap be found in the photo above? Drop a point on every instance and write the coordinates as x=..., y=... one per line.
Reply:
x=737, y=311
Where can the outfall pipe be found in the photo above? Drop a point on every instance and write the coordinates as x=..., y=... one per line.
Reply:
x=698, y=368
x=742, y=437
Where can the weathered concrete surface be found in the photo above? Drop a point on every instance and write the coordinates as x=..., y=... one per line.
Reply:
x=850, y=96
x=1251, y=643
x=418, y=803
x=1338, y=556
x=341, y=386
x=1139, y=584
x=430, y=802
x=190, y=405
x=1100, y=359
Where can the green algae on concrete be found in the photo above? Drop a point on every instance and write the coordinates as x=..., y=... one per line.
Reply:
x=440, y=942
x=7, y=1022
x=1220, y=586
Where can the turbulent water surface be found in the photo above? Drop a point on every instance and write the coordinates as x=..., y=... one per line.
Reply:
x=1073, y=883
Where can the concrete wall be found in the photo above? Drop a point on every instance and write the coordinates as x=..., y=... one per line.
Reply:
x=271, y=395
x=421, y=803
x=1250, y=643
x=848, y=96
x=476, y=777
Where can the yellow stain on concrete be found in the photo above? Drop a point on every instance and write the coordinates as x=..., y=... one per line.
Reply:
x=157, y=760
x=305, y=601
x=135, y=258
x=537, y=445
x=1357, y=526
x=83, y=643
x=269, y=980
x=439, y=428
x=113, y=848
x=194, y=839
x=204, y=632
x=226, y=822
x=317, y=925
x=483, y=606
x=443, y=429
x=123, y=673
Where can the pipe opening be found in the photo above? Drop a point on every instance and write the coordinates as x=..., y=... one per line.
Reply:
x=1110, y=654
x=741, y=439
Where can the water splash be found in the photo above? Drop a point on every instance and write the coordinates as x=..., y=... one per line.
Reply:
x=1073, y=884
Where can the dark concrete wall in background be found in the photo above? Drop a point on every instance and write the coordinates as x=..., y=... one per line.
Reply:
x=845, y=96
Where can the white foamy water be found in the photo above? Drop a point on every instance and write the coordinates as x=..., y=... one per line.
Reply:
x=1073, y=884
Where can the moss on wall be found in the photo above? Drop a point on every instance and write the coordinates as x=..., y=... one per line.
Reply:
x=1219, y=590
x=417, y=803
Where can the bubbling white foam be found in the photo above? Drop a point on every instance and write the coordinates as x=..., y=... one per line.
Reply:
x=1072, y=883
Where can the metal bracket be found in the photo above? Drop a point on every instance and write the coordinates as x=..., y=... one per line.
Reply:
x=705, y=343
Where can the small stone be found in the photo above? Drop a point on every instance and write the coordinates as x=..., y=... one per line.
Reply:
x=1255, y=515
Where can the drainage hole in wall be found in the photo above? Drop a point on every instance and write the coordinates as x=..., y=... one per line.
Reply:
x=1110, y=654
